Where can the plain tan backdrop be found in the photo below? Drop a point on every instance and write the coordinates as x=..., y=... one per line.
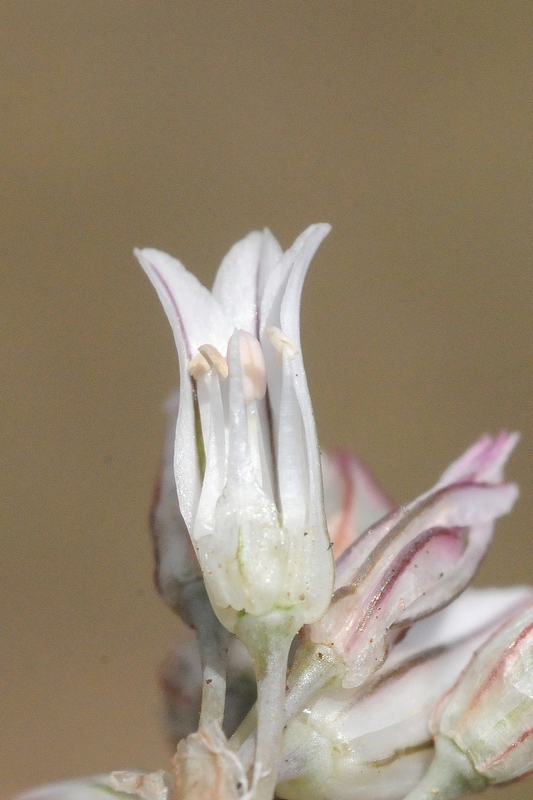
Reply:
x=183, y=125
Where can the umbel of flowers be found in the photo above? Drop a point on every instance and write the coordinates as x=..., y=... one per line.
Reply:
x=378, y=678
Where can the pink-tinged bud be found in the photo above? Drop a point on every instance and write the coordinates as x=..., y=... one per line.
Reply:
x=416, y=560
x=489, y=712
x=374, y=741
x=484, y=724
x=353, y=499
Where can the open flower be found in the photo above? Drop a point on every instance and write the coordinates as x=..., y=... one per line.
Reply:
x=247, y=463
x=246, y=456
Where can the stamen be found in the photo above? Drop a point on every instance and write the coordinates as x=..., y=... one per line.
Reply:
x=253, y=367
x=215, y=359
x=281, y=342
x=198, y=366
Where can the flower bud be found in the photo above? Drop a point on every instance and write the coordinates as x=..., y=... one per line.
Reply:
x=375, y=741
x=414, y=561
x=489, y=712
x=484, y=724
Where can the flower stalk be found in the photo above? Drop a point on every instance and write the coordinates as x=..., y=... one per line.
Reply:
x=268, y=641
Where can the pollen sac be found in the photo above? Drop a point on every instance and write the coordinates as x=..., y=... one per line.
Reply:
x=253, y=368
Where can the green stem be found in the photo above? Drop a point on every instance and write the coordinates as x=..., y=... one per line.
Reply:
x=450, y=775
x=213, y=649
x=245, y=733
x=314, y=666
x=213, y=640
x=268, y=640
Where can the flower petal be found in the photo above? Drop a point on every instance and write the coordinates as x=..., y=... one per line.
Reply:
x=384, y=723
x=353, y=500
x=483, y=462
x=489, y=712
x=302, y=252
x=235, y=286
x=423, y=556
x=196, y=319
x=459, y=505
x=194, y=314
x=473, y=610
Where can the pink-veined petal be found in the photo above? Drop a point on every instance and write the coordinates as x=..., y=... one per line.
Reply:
x=489, y=712
x=483, y=726
x=194, y=314
x=473, y=610
x=479, y=521
x=363, y=637
x=387, y=717
x=353, y=500
x=458, y=505
x=196, y=319
x=397, y=582
x=484, y=462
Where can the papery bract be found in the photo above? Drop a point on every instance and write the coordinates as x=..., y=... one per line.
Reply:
x=96, y=787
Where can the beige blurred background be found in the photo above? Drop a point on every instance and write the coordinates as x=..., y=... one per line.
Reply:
x=183, y=125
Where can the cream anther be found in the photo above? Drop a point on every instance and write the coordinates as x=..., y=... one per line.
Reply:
x=280, y=341
x=253, y=367
x=215, y=360
x=198, y=366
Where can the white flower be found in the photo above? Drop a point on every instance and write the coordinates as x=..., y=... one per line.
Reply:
x=246, y=456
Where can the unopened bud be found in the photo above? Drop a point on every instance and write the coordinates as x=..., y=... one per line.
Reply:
x=484, y=724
